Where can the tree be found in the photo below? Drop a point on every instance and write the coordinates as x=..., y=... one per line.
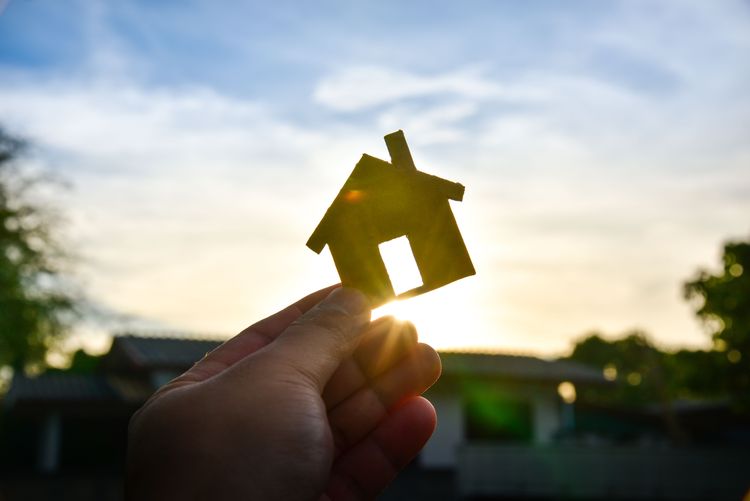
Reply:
x=646, y=374
x=635, y=364
x=642, y=374
x=723, y=304
x=36, y=308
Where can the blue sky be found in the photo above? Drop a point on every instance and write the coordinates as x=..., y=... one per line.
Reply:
x=603, y=146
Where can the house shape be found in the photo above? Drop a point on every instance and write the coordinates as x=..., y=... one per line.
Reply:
x=381, y=201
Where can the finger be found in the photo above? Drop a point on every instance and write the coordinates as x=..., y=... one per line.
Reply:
x=374, y=353
x=275, y=324
x=316, y=343
x=354, y=418
x=385, y=342
x=252, y=338
x=368, y=467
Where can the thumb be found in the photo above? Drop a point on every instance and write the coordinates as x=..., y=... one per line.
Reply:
x=318, y=341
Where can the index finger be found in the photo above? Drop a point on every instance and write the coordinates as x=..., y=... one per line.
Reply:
x=253, y=338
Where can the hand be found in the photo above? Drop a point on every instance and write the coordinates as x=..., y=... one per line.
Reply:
x=314, y=402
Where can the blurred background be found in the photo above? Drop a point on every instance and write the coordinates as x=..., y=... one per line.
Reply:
x=162, y=165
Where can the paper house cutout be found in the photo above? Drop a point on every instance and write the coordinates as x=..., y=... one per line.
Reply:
x=381, y=201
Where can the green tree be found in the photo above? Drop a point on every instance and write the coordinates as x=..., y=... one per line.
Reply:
x=645, y=374
x=641, y=374
x=634, y=365
x=723, y=303
x=36, y=308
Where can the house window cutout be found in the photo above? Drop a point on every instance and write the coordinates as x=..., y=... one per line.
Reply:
x=382, y=201
x=400, y=264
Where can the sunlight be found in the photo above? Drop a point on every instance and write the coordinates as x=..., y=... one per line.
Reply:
x=445, y=318
x=451, y=317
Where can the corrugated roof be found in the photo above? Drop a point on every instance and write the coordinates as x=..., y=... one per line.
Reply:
x=61, y=388
x=160, y=352
x=163, y=352
x=517, y=367
x=179, y=353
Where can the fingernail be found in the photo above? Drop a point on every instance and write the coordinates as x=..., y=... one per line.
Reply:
x=351, y=301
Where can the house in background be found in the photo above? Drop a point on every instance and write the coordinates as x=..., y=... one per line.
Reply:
x=506, y=432
x=501, y=399
x=77, y=422
x=503, y=433
x=71, y=422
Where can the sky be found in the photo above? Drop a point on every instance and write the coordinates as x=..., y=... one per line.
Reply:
x=603, y=146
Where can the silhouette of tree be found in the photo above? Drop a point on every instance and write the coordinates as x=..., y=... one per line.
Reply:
x=35, y=307
x=642, y=374
x=632, y=361
x=81, y=362
x=646, y=374
x=723, y=304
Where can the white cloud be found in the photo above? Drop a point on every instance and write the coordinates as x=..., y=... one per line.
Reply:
x=192, y=208
x=178, y=196
x=360, y=88
x=588, y=201
x=441, y=123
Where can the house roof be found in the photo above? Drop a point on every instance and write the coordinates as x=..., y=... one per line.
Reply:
x=180, y=353
x=65, y=389
x=60, y=386
x=162, y=352
x=370, y=175
x=518, y=367
x=174, y=353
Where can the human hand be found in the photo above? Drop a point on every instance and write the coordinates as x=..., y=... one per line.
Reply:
x=314, y=402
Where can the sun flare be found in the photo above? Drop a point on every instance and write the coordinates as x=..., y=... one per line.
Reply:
x=445, y=318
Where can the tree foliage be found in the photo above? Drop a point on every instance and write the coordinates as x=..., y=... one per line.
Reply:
x=643, y=373
x=35, y=308
x=636, y=366
x=646, y=374
x=723, y=304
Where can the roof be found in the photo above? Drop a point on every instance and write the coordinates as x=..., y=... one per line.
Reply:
x=518, y=368
x=75, y=390
x=162, y=352
x=368, y=178
x=61, y=387
x=180, y=353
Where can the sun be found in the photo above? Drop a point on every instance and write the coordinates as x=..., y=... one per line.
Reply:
x=446, y=318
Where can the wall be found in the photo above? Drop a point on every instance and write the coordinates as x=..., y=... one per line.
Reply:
x=440, y=451
x=449, y=436
x=631, y=473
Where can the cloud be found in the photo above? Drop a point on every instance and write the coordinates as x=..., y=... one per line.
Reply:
x=441, y=123
x=187, y=196
x=361, y=88
x=177, y=196
x=590, y=196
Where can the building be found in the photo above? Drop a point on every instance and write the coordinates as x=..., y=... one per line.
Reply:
x=499, y=398
x=63, y=435
x=504, y=432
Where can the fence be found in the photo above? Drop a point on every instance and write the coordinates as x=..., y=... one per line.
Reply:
x=603, y=472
